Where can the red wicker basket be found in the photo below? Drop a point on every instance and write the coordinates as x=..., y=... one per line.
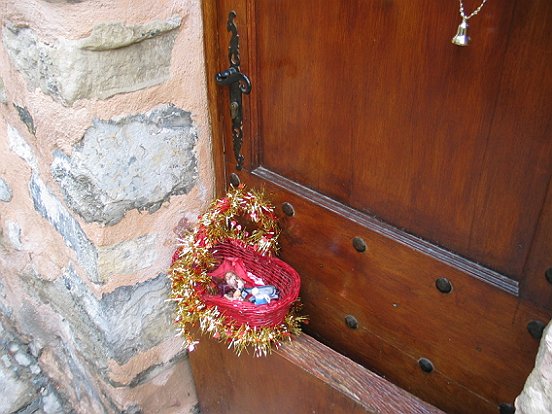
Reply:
x=219, y=241
x=273, y=271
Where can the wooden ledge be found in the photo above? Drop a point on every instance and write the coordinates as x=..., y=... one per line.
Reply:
x=302, y=377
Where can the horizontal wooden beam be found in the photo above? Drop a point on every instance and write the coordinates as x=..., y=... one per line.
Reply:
x=302, y=377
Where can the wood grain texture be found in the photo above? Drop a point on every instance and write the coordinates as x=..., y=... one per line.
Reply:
x=399, y=236
x=371, y=124
x=372, y=106
x=535, y=286
x=302, y=377
x=391, y=290
x=216, y=97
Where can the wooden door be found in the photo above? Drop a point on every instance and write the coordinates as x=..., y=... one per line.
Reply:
x=413, y=176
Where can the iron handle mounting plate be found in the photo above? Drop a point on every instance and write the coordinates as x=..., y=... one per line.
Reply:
x=239, y=84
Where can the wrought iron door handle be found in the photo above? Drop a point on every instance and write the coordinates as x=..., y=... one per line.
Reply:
x=233, y=75
x=239, y=84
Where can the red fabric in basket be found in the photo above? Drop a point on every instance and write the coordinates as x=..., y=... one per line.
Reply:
x=272, y=271
x=236, y=266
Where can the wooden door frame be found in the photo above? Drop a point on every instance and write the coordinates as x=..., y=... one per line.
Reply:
x=213, y=64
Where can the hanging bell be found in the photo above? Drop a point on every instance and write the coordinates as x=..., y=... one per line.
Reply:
x=461, y=38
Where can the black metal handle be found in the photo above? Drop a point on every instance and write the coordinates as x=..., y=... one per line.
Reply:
x=239, y=84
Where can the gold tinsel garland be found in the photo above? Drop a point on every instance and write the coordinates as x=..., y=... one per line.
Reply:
x=194, y=260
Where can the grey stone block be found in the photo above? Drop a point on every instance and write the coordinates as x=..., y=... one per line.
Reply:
x=49, y=207
x=25, y=388
x=116, y=326
x=5, y=191
x=127, y=257
x=135, y=162
x=16, y=392
x=3, y=97
x=93, y=331
x=19, y=146
x=13, y=230
x=137, y=318
x=111, y=36
x=99, y=66
x=5, y=309
x=26, y=118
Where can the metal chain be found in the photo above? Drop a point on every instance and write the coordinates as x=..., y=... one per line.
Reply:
x=473, y=13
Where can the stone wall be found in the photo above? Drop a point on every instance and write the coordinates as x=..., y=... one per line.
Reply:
x=104, y=156
x=536, y=397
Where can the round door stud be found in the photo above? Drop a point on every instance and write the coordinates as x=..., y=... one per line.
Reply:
x=506, y=408
x=536, y=328
x=359, y=244
x=234, y=180
x=426, y=365
x=351, y=322
x=548, y=275
x=443, y=285
x=288, y=209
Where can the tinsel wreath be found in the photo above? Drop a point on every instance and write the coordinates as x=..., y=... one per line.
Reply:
x=195, y=258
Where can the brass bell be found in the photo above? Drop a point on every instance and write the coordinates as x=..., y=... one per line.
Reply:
x=461, y=38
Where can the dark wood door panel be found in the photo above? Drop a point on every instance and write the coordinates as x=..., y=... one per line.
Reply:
x=367, y=120
x=417, y=132
x=390, y=289
x=537, y=285
x=518, y=155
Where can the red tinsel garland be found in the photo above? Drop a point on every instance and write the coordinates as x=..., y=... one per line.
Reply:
x=219, y=233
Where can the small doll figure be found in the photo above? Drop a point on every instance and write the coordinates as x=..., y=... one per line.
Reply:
x=236, y=286
x=261, y=295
